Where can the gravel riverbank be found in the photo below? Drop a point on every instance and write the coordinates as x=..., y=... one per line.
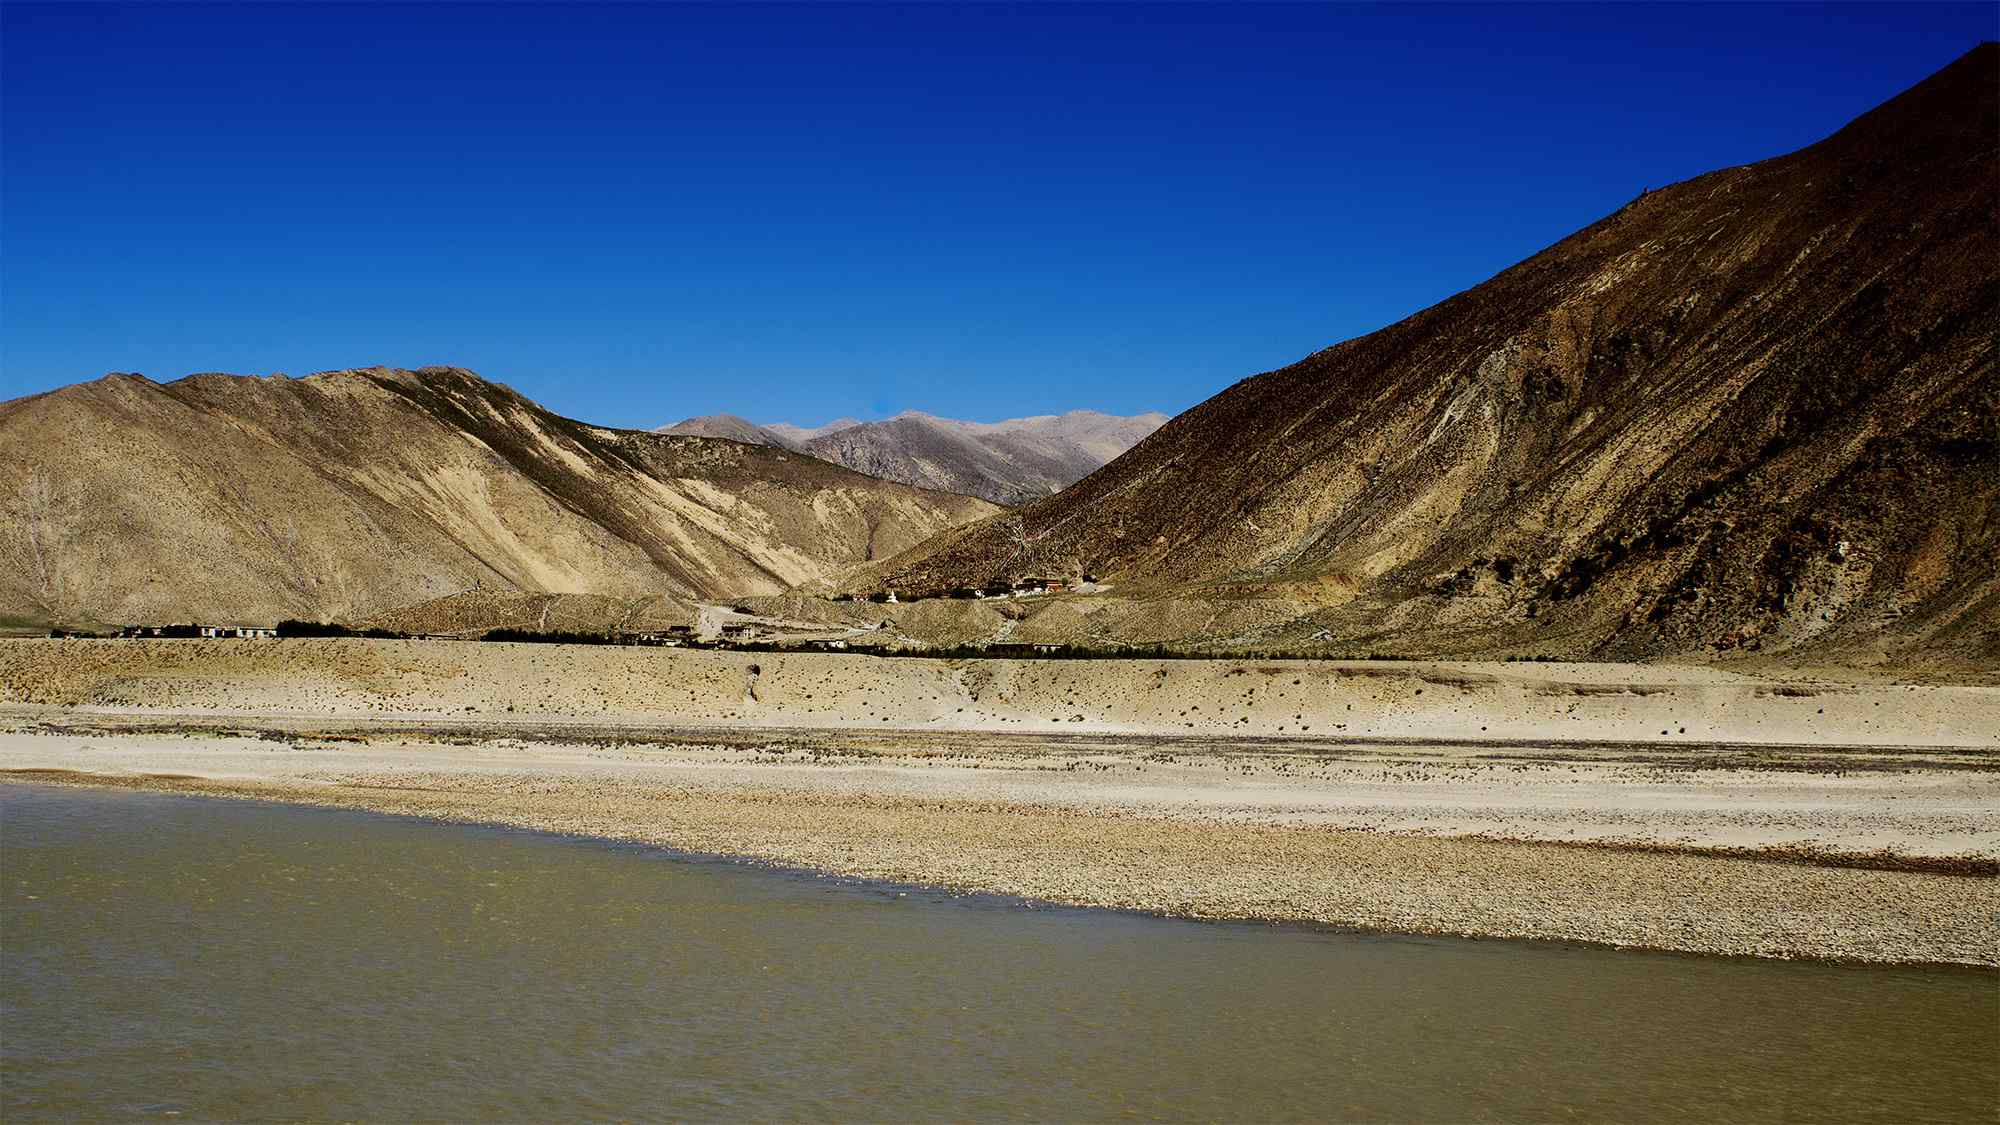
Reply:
x=1815, y=853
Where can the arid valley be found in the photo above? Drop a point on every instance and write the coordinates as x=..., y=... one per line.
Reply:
x=1561, y=681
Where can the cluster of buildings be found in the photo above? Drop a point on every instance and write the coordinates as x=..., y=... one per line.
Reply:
x=673, y=636
x=197, y=630
x=1020, y=588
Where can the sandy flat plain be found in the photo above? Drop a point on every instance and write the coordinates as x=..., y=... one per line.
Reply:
x=1684, y=809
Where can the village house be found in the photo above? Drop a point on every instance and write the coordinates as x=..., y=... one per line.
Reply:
x=196, y=630
x=673, y=636
x=1026, y=586
x=165, y=631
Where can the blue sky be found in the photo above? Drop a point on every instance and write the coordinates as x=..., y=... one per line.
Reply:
x=635, y=213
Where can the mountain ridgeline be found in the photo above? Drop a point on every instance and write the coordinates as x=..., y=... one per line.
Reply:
x=1011, y=462
x=346, y=494
x=1757, y=410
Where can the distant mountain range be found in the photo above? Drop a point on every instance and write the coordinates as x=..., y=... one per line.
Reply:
x=345, y=494
x=1755, y=411
x=1011, y=462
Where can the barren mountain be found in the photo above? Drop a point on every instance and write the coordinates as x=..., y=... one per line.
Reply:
x=731, y=427
x=351, y=493
x=1757, y=410
x=1009, y=462
x=803, y=434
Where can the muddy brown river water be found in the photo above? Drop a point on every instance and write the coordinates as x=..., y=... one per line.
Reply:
x=191, y=958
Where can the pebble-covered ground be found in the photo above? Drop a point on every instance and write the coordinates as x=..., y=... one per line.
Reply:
x=1864, y=856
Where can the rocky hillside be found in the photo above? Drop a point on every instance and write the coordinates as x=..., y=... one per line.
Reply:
x=350, y=493
x=1011, y=462
x=1757, y=410
x=474, y=612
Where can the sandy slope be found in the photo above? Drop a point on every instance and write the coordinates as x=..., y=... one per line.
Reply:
x=1648, y=704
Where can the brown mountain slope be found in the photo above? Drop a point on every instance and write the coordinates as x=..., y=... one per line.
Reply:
x=351, y=493
x=1756, y=409
x=473, y=612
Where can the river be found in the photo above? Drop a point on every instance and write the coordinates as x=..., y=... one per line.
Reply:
x=194, y=958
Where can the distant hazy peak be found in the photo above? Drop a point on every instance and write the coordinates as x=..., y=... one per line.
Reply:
x=806, y=433
x=733, y=428
x=1008, y=462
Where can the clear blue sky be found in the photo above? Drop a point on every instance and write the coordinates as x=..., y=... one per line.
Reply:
x=637, y=213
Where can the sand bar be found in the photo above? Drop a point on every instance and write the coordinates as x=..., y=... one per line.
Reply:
x=1871, y=863
x=1668, y=808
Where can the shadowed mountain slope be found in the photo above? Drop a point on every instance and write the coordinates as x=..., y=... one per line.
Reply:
x=351, y=493
x=1011, y=462
x=1757, y=409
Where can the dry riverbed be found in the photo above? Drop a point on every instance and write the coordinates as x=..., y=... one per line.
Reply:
x=1868, y=853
